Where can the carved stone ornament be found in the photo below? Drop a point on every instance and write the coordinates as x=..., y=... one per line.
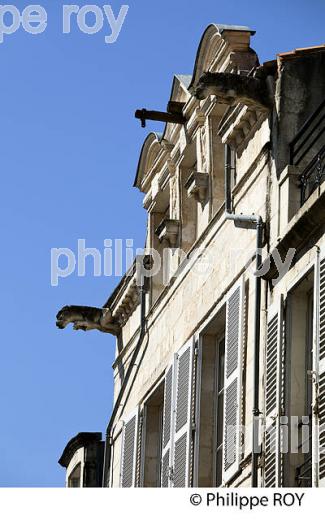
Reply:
x=168, y=230
x=197, y=186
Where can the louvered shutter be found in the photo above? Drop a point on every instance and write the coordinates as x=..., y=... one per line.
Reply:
x=319, y=373
x=272, y=397
x=182, y=426
x=166, y=459
x=129, y=451
x=233, y=381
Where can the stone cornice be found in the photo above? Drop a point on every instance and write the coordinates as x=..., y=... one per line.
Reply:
x=239, y=125
x=128, y=303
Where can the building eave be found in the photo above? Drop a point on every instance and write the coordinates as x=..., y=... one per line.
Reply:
x=81, y=440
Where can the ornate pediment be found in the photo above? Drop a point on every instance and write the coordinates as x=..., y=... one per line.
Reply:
x=148, y=156
x=224, y=48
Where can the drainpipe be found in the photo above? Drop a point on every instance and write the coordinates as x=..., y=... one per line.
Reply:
x=109, y=437
x=249, y=222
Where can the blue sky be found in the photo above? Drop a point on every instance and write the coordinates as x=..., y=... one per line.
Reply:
x=69, y=148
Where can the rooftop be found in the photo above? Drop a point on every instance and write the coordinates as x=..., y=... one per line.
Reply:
x=79, y=441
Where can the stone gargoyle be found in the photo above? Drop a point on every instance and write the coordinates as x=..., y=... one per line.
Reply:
x=87, y=318
x=232, y=88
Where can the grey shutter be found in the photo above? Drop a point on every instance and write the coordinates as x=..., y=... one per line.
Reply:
x=233, y=381
x=272, y=397
x=166, y=461
x=129, y=451
x=319, y=376
x=195, y=412
x=321, y=386
x=182, y=426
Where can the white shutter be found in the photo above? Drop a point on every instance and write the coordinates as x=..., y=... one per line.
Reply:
x=196, y=399
x=166, y=458
x=233, y=381
x=129, y=450
x=272, y=396
x=318, y=426
x=182, y=427
x=177, y=420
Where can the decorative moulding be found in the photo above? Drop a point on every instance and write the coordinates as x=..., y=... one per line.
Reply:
x=197, y=186
x=196, y=121
x=239, y=125
x=168, y=230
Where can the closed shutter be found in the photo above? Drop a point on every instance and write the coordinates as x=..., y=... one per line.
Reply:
x=166, y=461
x=272, y=397
x=177, y=420
x=195, y=413
x=319, y=373
x=182, y=426
x=129, y=451
x=233, y=381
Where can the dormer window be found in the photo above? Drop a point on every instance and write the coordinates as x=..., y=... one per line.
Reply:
x=74, y=478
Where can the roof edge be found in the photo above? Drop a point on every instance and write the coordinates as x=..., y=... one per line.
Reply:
x=158, y=136
x=221, y=28
x=79, y=441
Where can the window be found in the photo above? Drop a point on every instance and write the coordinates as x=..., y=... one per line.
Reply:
x=153, y=419
x=295, y=385
x=74, y=477
x=299, y=336
x=219, y=410
x=211, y=409
x=178, y=419
x=129, y=453
x=184, y=435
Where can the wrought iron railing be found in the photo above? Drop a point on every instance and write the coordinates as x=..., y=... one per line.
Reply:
x=312, y=176
x=307, y=150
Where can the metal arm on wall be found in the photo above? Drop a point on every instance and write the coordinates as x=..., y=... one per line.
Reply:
x=174, y=114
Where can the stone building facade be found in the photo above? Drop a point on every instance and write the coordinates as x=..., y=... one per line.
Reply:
x=219, y=376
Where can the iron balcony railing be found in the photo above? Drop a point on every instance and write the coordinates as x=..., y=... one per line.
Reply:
x=307, y=150
x=312, y=176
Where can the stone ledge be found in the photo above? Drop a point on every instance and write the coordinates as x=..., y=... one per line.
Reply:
x=197, y=185
x=168, y=230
